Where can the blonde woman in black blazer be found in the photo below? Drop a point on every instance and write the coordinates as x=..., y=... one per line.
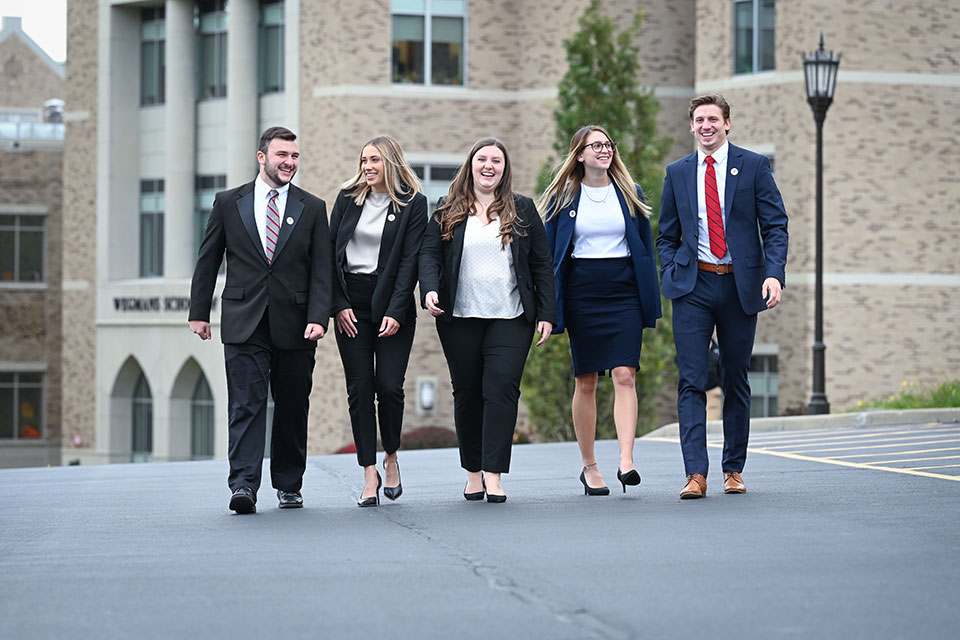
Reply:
x=376, y=228
x=486, y=275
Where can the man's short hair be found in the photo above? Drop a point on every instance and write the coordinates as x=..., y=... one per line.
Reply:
x=274, y=132
x=711, y=98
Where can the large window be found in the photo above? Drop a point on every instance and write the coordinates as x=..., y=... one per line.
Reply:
x=152, y=60
x=428, y=41
x=764, y=385
x=201, y=421
x=206, y=190
x=151, y=228
x=212, y=49
x=754, y=24
x=141, y=449
x=270, y=54
x=21, y=405
x=436, y=181
x=21, y=248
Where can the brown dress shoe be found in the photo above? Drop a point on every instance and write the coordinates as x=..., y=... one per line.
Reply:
x=733, y=483
x=696, y=487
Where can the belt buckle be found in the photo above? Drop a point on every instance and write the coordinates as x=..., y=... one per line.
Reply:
x=719, y=273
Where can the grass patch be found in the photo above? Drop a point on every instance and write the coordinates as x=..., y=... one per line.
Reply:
x=946, y=394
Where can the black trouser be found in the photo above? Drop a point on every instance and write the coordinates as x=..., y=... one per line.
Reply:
x=486, y=359
x=290, y=374
x=374, y=369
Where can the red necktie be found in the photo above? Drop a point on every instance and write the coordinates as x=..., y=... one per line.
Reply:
x=273, y=224
x=718, y=241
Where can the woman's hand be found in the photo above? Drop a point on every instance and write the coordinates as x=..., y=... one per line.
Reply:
x=432, y=300
x=388, y=327
x=544, y=328
x=346, y=323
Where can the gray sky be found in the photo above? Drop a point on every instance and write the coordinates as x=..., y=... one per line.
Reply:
x=45, y=21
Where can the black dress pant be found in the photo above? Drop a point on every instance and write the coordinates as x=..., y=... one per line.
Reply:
x=250, y=366
x=374, y=369
x=486, y=359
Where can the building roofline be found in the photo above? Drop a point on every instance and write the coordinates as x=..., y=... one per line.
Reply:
x=11, y=27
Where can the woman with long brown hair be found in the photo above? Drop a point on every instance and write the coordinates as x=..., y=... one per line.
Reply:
x=485, y=275
x=376, y=227
x=607, y=288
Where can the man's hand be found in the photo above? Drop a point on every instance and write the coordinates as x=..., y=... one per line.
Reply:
x=200, y=328
x=544, y=328
x=771, y=292
x=388, y=327
x=314, y=331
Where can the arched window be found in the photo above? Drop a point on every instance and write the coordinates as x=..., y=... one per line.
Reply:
x=142, y=443
x=201, y=421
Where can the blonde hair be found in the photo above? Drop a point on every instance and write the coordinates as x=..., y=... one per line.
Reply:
x=399, y=179
x=460, y=198
x=570, y=172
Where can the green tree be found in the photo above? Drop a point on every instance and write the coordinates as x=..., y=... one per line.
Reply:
x=602, y=86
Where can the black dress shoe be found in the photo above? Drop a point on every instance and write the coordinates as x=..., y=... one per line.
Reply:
x=476, y=495
x=289, y=499
x=393, y=492
x=496, y=498
x=373, y=500
x=243, y=500
x=631, y=477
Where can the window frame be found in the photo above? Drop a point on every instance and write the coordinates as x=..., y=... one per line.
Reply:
x=202, y=418
x=16, y=386
x=755, y=44
x=155, y=268
x=158, y=15
x=768, y=356
x=428, y=14
x=262, y=28
x=17, y=229
x=424, y=170
x=220, y=70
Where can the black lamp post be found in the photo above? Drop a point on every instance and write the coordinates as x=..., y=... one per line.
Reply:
x=820, y=71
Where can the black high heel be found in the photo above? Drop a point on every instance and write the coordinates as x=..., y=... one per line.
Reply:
x=393, y=492
x=592, y=491
x=631, y=477
x=476, y=495
x=497, y=498
x=373, y=500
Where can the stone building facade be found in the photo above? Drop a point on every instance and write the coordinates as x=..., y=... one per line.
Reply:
x=31, y=167
x=148, y=144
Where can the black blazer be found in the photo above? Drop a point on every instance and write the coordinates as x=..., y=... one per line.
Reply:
x=397, y=264
x=532, y=262
x=295, y=287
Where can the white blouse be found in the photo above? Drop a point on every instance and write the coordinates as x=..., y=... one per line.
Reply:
x=487, y=287
x=599, y=230
x=363, y=249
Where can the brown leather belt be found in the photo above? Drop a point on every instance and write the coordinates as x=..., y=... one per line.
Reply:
x=720, y=269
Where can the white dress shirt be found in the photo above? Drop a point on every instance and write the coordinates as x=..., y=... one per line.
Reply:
x=260, y=199
x=720, y=168
x=599, y=230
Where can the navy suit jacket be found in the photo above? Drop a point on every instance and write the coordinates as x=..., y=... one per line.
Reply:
x=640, y=240
x=295, y=287
x=756, y=227
x=397, y=263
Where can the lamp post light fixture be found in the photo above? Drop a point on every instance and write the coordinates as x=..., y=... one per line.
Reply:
x=820, y=72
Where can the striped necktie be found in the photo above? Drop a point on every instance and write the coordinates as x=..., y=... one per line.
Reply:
x=718, y=240
x=273, y=224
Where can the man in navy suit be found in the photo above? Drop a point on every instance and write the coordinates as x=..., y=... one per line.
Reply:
x=723, y=250
x=275, y=306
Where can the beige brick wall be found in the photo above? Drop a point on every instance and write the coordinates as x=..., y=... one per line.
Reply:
x=25, y=80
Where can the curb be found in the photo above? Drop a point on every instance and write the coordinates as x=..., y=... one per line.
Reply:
x=828, y=421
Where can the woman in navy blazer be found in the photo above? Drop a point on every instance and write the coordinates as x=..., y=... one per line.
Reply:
x=607, y=290
x=376, y=228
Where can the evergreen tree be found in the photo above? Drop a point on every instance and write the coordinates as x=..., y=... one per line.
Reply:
x=602, y=86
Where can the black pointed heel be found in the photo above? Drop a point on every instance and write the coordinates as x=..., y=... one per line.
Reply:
x=393, y=492
x=493, y=497
x=476, y=495
x=592, y=491
x=373, y=500
x=631, y=478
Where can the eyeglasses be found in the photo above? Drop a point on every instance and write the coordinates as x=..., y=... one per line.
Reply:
x=601, y=146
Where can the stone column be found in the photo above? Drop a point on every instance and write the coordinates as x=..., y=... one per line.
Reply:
x=242, y=90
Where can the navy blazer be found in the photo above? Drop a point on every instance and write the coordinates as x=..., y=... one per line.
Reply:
x=440, y=265
x=294, y=289
x=751, y=202
x=397, y=262
x=639, y=238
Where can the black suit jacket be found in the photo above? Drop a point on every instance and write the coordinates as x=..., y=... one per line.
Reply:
x=532, y=262
x=295, y=287
x=397, y=264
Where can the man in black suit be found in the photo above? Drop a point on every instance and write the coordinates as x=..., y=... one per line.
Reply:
x=275, y=306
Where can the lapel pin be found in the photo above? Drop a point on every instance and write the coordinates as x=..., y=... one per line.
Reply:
x=391, y=218
x=734, y=171
x=289, y=220
x=572, y=213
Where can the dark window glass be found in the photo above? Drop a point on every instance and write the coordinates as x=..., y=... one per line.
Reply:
x=201, y=421
x=141, y=449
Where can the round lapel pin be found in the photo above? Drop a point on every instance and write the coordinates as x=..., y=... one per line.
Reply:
x=289, y=220
x=572, y=213
x=391, y=218
x=734, y=171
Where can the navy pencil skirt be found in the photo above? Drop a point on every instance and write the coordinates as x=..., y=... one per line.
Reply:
x=603, y=315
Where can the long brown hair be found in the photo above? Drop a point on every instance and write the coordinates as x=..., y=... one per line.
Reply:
x=460, y=198
x=570, y=174
x=399, y=178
